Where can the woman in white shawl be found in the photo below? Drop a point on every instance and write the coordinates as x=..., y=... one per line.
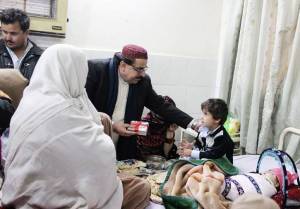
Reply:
x=58, y=155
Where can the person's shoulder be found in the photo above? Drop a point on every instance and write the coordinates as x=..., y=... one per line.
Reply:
x=144, y=84
x=145, y=81
x=2, y=46
x=225, y=132
x=147, y=77
x=219, y=132
x=222, y=133
x=99, y=62
x=226, y=136
x=36, y=50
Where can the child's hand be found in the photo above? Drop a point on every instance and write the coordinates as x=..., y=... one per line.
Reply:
x=185, y=152
x=180, y=151
x=186, y=145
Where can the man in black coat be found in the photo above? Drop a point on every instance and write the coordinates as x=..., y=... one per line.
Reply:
x=120, y=87
x=16, y=51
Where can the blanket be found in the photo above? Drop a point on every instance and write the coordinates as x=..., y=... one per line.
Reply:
x=202, y=183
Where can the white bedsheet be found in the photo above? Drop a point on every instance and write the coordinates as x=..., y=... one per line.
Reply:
x=154, y=206
x=245, y=163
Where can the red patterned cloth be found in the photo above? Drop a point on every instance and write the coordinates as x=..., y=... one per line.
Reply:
x=153, y=143
x=156, y=131
x=293, y=193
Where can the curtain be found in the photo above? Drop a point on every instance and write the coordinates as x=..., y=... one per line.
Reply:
x=231, y=22
x=261, y=70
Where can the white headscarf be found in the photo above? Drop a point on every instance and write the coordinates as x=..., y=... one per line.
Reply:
x=58, y=155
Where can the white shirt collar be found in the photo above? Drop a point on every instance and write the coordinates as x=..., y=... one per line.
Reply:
x=213, y=131
x=16, y=60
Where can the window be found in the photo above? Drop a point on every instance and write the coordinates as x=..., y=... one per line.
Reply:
x=48, y=17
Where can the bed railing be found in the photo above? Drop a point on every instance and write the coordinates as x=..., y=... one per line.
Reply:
x=285, y=131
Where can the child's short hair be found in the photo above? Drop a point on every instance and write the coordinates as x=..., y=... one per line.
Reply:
x=217, y=108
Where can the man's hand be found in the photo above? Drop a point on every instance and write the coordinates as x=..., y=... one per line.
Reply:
x=121, y=129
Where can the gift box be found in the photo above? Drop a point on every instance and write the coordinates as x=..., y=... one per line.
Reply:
x=139, y=127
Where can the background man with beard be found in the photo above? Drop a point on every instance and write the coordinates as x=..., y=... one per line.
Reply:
x=120, y=87
x=16, y=51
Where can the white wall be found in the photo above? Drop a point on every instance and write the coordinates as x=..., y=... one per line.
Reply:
x=181, y=36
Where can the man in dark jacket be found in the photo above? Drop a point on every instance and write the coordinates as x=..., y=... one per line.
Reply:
x=16, y=50
x=120, y=87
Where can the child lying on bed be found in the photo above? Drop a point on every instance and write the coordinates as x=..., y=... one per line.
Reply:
x=213, y=141
x=209, y=186
x=208, y=178
x=267, y=183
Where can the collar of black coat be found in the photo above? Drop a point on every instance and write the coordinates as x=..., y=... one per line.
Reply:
x=35, y=50
x=214, y=132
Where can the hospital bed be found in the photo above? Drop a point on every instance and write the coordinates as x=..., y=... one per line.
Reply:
x=248, y=163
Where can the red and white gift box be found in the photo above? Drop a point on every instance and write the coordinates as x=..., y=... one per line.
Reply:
x=139, y=127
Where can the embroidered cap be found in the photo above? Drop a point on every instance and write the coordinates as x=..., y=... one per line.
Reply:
x=132, y=52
